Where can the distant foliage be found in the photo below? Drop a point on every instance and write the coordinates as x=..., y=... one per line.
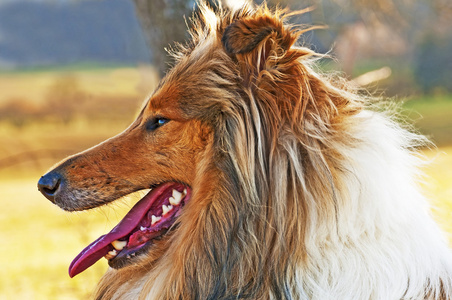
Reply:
x=66, y=101
x=35, y=33
x=64, y=98
x=163, y=23
x=19, y=112
x=433, y=63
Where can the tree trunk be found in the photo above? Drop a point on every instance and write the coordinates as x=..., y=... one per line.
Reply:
x=163, y=24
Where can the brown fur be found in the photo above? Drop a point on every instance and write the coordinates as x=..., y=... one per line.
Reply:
x=219, y=239
x=254, y=131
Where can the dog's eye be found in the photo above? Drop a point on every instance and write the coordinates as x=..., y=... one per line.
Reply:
x=155, y=123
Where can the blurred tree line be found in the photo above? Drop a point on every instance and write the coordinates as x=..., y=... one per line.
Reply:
x=411, y=38
x=417, y=33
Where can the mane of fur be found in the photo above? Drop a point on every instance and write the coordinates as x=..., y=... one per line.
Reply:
x=303, y=193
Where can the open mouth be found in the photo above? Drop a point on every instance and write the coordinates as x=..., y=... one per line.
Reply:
x=147, y=221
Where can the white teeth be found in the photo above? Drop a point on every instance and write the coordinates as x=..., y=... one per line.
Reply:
x=166, y=209
x=185, y=192
x=119, y=245
x=142, y=228
x=177, y=197
x=155, y=219
x=111, y=254
x=175, y=201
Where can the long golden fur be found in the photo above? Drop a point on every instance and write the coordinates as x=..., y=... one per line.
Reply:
x=298, y=190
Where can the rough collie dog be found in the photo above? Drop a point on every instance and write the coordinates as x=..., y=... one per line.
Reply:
x=269, y=181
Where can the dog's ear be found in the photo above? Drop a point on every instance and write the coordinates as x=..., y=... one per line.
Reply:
x=259, y=41
x=246, y=34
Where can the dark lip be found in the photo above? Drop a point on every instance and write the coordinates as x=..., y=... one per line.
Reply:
x=127, y=257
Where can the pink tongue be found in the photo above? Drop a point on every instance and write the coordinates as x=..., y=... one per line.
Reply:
x=100, y=247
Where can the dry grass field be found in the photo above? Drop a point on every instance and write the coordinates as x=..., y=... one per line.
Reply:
x=40, y=240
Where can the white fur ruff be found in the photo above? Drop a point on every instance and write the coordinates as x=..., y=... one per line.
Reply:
x=385, y=239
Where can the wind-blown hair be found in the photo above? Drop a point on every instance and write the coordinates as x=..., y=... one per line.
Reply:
x=302, y=191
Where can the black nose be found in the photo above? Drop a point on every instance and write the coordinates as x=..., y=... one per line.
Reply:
x=49, y=184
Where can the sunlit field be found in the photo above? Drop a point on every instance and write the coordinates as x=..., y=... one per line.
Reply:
x=45, y=116
x=40, y=240
x=438, y=186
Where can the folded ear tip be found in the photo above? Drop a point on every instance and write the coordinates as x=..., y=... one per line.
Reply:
x=240, y=37
x=228, y=39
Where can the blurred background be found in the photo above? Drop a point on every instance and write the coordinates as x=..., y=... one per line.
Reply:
x=75, y=72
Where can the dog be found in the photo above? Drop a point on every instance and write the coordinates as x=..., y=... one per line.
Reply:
x=270, y=180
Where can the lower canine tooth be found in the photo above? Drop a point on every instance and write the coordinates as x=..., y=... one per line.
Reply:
x=119, y=245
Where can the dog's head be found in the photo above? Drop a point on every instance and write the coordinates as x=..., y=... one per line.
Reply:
x=214, y=142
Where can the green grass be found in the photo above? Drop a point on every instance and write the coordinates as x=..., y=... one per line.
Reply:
x=433, y=116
